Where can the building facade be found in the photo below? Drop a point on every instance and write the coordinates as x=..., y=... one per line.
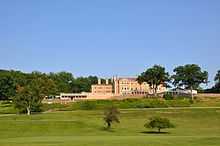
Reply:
x=131, y=87
x=73, y=96
x=102, y=89
x=118, y=87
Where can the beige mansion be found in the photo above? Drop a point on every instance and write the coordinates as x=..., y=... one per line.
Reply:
x=131, y=87
x=118, y=87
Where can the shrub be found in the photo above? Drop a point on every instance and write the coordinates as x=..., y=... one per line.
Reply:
x=168, y=96
x=87, y=105
x=111, y=115
x=156, y=103
x=178, y=103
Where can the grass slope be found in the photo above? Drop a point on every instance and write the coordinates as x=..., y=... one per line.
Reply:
x=194, y=127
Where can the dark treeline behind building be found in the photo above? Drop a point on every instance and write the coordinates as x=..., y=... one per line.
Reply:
x=11, y=81
x=65, y=82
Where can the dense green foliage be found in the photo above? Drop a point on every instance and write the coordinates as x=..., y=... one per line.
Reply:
x=66, y=83
x=189, y=76
x=9, y=80
x=154, y=76
x=27, y=90
x=29, y=96
x=63, y=81
x=7, y=86
x=158, y=123
x=194, y=127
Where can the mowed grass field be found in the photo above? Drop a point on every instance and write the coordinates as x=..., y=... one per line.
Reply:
x=194, y=127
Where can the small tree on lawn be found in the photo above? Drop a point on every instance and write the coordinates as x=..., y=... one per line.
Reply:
x=159, y=123
x=111, y=115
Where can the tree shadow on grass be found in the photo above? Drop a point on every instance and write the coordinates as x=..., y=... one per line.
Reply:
x=154, y=132
x=107, y=129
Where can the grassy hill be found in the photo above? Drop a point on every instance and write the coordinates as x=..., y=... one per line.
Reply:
x=194, y=127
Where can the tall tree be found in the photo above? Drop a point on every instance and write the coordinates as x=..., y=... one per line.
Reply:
x=30, y=95
x=63, y=81
x=154, y=76
x=189, y=76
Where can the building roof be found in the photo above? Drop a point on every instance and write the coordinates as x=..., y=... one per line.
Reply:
x=128, y=78
x=102, y=85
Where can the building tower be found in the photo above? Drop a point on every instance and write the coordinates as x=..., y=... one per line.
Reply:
x=116, y=85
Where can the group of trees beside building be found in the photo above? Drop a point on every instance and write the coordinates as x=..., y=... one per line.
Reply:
x=189, y=77
x=27, y=90
x=12, y=81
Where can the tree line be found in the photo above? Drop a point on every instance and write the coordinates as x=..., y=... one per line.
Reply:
x=27, y=90
x=12, y=81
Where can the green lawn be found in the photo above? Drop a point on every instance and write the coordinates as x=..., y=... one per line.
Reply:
x=194, y=127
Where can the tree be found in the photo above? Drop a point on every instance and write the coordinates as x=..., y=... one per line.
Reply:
x=19, y=77
x=189, y=76
x=83, y=84
x=63, y=81
x=7, y=86
x=155, y=77
x=111, y=115
x=216, y=87
x=29, y=97
x=217, y=79
x=159, y=123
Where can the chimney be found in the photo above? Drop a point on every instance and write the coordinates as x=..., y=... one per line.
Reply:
x=106, y=81
x=99, y=81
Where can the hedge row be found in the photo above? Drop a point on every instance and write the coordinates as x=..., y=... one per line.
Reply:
x=122, y=104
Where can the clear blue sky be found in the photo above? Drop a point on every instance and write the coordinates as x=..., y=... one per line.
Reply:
x=109, y=37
